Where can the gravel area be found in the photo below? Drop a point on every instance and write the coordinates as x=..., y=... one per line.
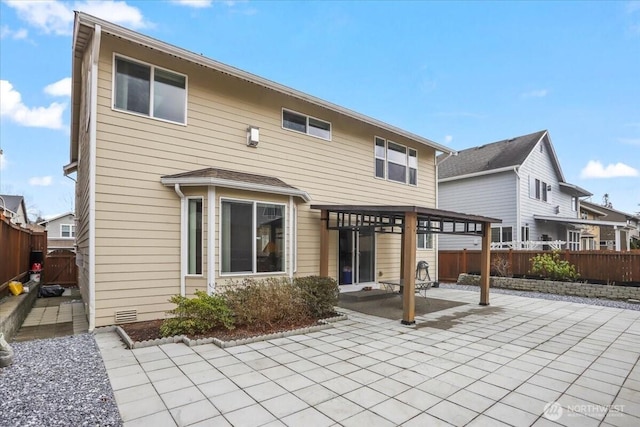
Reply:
x=57, y=382
x=553, y=297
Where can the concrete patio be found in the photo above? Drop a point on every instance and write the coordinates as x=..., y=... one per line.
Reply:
x=466, y=365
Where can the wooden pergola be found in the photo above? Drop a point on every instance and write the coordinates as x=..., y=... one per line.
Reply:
x=409, y=221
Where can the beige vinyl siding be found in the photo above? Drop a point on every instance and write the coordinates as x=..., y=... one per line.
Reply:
x=83, y=188
x=138, y=219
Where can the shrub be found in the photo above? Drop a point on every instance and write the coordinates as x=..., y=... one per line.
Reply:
x=320, y=294
x=500, y=266
x=197, y=315
x=552, y=267
x=266, y=302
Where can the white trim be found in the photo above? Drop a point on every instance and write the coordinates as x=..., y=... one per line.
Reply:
x=124, y=33
x=72, y=231
x=238, y=185
x=211, y=244
x=307, y=124
x=571, y=220
x=188, y=198
x=254, y=261
x=386, y=160
x=291, y=254
x=152, y=67
x=95, y=60
x=295, y=238
x=183, y=241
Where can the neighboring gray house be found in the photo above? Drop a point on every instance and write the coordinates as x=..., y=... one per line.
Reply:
x=61, y=231
x=617, y=229
x=14, y=208
x=518, y=180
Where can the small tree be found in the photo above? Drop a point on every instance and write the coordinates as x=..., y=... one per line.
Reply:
x=552, y=267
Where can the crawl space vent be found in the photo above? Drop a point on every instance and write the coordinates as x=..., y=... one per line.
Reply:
x=125, y=316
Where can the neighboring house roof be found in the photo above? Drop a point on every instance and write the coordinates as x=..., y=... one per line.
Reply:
x=48, y=220
x=13, y=203
x=85, y=24
x=498, y=157
x=590, y=208
x=234, y=179
x=489, y=157
x=611, y=214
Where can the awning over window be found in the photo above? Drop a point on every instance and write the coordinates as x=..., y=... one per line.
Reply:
x=234, y=179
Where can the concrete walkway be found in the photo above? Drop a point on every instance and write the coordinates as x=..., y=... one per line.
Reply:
x=467, y=365
x=54, y=317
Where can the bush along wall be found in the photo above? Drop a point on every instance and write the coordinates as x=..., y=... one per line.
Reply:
x=554, y=287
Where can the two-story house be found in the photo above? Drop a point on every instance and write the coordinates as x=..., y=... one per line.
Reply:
x=61, y=231
x=191, y=173
x=14, y=209
x=520, y=181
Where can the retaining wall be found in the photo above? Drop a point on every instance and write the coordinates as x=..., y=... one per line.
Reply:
x=15, y=309
x=560, y=288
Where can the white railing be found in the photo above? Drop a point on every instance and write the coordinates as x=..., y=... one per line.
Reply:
x=529, y=245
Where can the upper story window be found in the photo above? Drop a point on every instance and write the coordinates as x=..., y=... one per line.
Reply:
x=148, y=90
x=67, y=230
x=305, y=124
x=396, y=162
x=539, y=190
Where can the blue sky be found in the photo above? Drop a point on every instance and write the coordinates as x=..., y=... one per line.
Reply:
x=459, y=73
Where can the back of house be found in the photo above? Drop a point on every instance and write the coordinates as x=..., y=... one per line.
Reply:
x=191, y=173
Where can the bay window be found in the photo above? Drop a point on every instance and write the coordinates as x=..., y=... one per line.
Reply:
x=252, y=237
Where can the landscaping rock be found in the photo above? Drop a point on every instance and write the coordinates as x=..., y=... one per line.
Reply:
x=6, y=352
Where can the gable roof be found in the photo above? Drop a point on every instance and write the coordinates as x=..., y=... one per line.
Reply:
x=610, y=213
x=53, y=218
x=12, y=203
x=234, y=179
x=85, y=25
x=495, y=156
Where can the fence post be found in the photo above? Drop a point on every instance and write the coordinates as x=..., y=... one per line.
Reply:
x=464, y=261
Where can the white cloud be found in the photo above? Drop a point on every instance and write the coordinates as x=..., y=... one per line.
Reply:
x=41, y=181
x=12, y=107
x=55, y=17
x=8, y=33
x=59, y=88
x=540, y=93
x=595, y=169
x=193, y=3
x=448, y=138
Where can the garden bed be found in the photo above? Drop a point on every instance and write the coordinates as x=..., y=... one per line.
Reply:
x=147, y=334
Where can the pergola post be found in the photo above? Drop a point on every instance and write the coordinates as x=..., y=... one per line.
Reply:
x=324, y=243
x=408, y=256
x=485, y=263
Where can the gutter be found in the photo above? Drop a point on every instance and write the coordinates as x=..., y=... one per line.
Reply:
x=183, y=242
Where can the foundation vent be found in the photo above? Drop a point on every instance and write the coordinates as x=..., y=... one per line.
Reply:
x=126, y=316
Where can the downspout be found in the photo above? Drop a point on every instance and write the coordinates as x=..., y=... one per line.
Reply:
x=518, y=219
x=211, y=244
x=95, y=59
x=291, y=254
x=183, y=241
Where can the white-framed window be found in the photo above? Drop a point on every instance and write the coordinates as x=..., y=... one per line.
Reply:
x=306, y=124
x=395, y=162
x=148, y=90
x=573, y=243
x=68, y=230
x=525, y=233
x=501, y=235
x=424, y=240
x=539, y=190
x=252, y=237
x=194, y=235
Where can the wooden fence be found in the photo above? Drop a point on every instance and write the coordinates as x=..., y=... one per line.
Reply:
x=60, y=268
x=16, y=245
x=596, y=266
